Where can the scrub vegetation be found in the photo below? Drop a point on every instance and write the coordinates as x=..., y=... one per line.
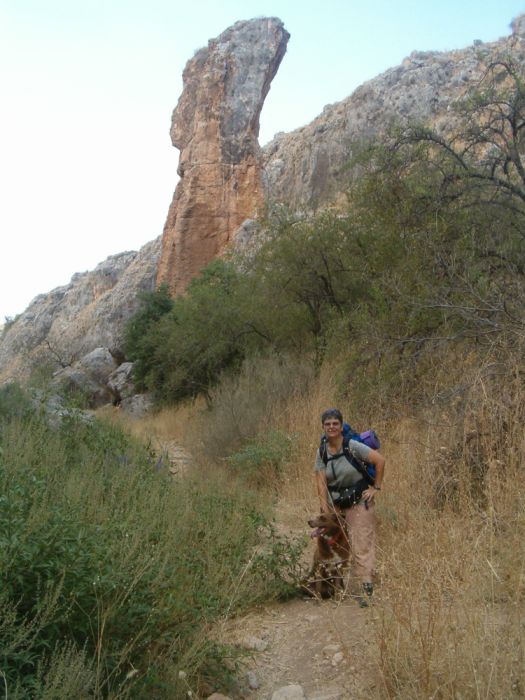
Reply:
x=428, y=254
x=112, y=571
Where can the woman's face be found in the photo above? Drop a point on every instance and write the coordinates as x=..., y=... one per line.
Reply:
x=332, y=427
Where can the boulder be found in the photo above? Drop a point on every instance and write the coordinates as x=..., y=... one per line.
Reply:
x=77, y=381
x=99, y=364
x=138, y=405
x=289, y=692
x=89, y=377
x=120, y=382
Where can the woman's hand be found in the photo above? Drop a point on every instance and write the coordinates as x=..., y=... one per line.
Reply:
x=369, y=495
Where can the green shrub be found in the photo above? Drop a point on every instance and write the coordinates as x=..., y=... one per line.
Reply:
x=284, y=300
x=184, y=352
x=140, y=338
x=113, y=568
x=261, y=461
x=14, y=401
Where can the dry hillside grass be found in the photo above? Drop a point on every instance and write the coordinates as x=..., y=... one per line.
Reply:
x=450, y=619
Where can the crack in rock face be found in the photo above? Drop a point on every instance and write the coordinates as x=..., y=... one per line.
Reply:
x=216, y=127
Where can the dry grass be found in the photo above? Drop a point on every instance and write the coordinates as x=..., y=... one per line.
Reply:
x=452, y=559
x=451, y=604
x=450, y=608
x=166, y=431
x=166, y=425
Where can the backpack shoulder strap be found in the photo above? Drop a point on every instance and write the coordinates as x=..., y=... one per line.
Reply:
x=355, y=462
x=323, y=450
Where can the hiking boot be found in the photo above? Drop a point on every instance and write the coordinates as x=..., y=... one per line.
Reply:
x=368, y=589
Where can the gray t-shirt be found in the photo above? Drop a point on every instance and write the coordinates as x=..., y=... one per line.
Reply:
x=340, y=474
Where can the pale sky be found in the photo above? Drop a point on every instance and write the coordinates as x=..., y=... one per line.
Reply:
x=87, y=168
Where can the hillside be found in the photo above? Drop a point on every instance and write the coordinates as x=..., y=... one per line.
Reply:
x=308, y=167
x=304, y=169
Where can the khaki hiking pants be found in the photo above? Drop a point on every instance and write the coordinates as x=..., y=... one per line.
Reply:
x=361, y=524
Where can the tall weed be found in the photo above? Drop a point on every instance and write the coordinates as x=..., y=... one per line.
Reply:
x=260, y=463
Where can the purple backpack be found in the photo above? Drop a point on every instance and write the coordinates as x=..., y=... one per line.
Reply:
x=369, y=437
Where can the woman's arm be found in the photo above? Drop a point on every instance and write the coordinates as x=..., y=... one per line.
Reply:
x=377, y=459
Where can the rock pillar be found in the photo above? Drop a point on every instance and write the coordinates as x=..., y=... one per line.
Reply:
x=216, y=126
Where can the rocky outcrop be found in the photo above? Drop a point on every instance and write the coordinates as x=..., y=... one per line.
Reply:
x=216, y=126
x=97, y=380
x=309, y=167
x=56, y=410
x=59, y=328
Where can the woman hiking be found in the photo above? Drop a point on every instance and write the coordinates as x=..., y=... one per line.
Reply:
x=343, y=486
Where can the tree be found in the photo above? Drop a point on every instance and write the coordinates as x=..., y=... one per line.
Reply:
x=140, y=338
x=311, y=272
x=466, y=187
x=481, y=161
x=203, y=333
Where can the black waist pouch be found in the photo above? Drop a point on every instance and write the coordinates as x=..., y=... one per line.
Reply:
x=351, y=496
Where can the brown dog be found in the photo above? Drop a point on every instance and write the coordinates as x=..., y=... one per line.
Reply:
x=326, y=577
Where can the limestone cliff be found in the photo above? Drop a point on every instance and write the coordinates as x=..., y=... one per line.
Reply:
x=216, y=126
x=60, y=327
x=307, y=167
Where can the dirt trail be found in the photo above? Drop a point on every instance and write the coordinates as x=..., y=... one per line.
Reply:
x=173, y=455
x=326, y=647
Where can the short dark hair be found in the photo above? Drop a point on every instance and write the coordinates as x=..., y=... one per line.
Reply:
x=332, y=413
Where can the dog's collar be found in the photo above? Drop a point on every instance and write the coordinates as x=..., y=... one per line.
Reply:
x=329, y=540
